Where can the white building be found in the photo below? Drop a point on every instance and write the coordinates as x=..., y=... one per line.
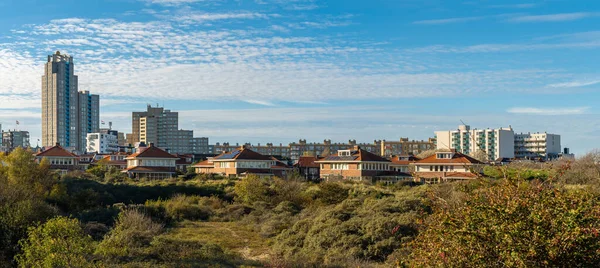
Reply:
x=496, y=143
x=102, y=143
x=542, y=146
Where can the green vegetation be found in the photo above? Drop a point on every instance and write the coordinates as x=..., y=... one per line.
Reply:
x=522, y=215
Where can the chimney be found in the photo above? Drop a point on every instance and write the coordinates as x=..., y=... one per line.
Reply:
x=58, y=144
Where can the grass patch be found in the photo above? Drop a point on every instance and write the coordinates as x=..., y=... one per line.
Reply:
x=229, y=235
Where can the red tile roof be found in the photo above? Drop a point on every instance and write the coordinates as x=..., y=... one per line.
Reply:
x=205, y=163
x=56, y=151
x=307, y=161
x=152, y=152
x=457, y=158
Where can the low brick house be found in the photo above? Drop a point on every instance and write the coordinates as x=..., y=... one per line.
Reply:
x=60, y=159
x=307, y=168
x=240, y=163
x=356, y=164
x=151, y=163
x=446, y=166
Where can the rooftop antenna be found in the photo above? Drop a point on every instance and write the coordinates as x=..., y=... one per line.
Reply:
x=462, y=122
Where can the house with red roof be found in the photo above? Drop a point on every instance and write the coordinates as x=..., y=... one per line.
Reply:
x=307, y=168
x=357, y=164
x=151, y=163
x=446, y=166
x=60, y=159
x=242, y=162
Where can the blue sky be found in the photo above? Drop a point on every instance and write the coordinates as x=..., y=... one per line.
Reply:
x=282, y=70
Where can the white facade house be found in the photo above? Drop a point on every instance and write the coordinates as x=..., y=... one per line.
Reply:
x=496, y=143
x=102, y=143
x=537, y=146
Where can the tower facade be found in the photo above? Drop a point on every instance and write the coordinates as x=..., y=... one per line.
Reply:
x=67, y=114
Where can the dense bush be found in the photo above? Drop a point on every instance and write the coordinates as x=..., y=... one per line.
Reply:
x=130, y=237
x=60, y=242
x=366, y=228
x=516, y=224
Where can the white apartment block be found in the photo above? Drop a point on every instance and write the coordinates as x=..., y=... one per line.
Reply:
x=537, y=146
x=496, y=143
x=102, y=143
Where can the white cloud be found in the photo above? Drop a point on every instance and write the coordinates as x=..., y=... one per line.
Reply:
x=549, y=111
x=259, y=102
x=173, y=2
x=575, y=84
x=553, y=17
x=447, y=21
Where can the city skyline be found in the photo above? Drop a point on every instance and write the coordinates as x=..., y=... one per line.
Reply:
x=279, y=71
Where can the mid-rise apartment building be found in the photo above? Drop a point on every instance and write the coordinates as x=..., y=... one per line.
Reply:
x=102, y=143
x=12, y=139
x=406, y=146
x=494, y=143
x=542, y=146
x=67, y=114
x=200, y=146
x=302, y=148
x=161, y=127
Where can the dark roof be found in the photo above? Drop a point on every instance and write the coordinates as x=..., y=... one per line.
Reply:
x=307, y=161
x=56, y=151
x=152, y=152
x=457, y=158
x=244, y=154
x=397, y=161
x=356, y=156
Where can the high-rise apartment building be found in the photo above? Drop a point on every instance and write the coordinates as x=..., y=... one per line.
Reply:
x=67, y=114
x=494, y=143
x=542, y=146
x=160, y=127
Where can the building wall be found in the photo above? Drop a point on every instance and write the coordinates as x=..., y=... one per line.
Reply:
x=160, y=126
x=496, y=143
x=102, y=143
x=14, y=139
x=405, y=146
x=67, y=115
x=537, y=145
x=353, y=170
x=200, y=146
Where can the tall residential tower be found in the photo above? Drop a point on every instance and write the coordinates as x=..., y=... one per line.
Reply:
x=67, y=115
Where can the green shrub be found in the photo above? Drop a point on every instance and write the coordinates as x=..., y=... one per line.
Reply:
x=60, y=242
x=130, y=237
x=515, y=223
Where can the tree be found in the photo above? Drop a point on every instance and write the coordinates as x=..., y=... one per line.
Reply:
x=515, y=223
x=60, y=242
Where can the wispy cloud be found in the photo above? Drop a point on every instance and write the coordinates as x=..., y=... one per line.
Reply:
x=447, y=21
x=171, y=2
x=260, y=102
x=575, y=84
x=517, y=6
x=554, y=17
x=548, y=111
